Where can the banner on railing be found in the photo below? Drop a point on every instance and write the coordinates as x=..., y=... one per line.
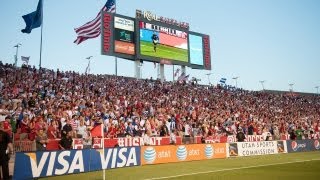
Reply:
x=167, y=154
x=255, y=148
x=249, y=138
x=52, y=163
x=134, y=141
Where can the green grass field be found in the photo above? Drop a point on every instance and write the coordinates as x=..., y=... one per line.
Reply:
x=163, y=51
x=294, y=166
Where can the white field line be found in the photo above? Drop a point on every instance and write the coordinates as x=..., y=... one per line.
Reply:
x=230, y=169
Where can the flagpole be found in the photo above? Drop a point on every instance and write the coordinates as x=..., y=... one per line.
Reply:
x=115, y=58
x=173, y=73
x=102, y=133
x=41, y=35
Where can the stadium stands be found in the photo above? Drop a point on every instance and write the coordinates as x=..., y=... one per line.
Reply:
x=58, y=102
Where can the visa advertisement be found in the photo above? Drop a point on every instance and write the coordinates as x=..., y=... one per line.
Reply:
x=180, y=153
x=52, y=163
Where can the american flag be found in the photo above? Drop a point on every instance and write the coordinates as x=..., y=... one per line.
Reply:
x=92, y=28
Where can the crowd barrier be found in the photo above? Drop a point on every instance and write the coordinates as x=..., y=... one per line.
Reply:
x=30, y=165
x=53, y=144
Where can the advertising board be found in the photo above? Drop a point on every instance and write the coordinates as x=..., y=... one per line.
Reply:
x=196, y=49
x=117, y=36
x=124, y=35
x=52, y=163
x=253, y=148
x=167, y=154
x=199, y=51
x=303, y=145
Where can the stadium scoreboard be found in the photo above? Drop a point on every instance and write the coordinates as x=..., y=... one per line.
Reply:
x=153, y=38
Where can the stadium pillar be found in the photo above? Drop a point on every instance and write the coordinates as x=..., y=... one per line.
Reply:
x=137, y=69
x=162, y=72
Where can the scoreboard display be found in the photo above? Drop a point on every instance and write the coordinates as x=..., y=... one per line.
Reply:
x=158, y=42
x=156, y=39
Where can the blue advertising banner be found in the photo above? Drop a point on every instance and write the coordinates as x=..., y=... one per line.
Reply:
x=303, y=145
x=51, y=163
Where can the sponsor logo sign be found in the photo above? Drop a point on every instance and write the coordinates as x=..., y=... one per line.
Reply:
x=53, y=163
x=257, y=148
x=153, y=17
x=282, y=147
x=302, y=145
x=123, y=23
x=166, y=154
x=233, y=149
x=124, y=47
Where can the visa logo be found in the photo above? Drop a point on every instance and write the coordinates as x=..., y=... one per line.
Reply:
x=118, y=157
x=57, y=165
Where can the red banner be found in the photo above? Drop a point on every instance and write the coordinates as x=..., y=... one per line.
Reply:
x=249, y=138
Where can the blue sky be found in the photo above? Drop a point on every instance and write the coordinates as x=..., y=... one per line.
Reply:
x=273, y=40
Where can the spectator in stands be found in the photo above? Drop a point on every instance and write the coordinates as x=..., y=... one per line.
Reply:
x=6, y=149
x=52, y=132
x=146, y=138
x=173, y=138
x=240, y=135
x=164, y=130
x=87, y=140
x=66, y=141
x=7, y=126
x=82, y=130
x=292, y=135
x=67, y=128
x=299, y=133
x=41, y=140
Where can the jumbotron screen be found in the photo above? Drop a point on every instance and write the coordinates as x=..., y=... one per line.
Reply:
x=196, y=49
x=163, y=42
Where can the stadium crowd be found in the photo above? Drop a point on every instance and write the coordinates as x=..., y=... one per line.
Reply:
x=45, y=104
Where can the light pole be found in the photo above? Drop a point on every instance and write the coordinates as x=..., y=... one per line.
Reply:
x=88, y=67
x=262, y=84
x=291, y=89
x=317, y=87
x=140, y=70
x=16, y=57
x=236, y=79
x=208, y=77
